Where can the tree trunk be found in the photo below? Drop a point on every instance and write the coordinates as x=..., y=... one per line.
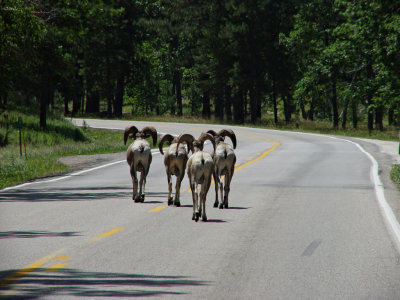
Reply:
x=335, y=110
x=370, y=120
x=344, y=114
x=119, y=96
x=354, y=113
x=287, y=107
x=218, y=103
x=274, y=102
x=312, y=108
x=109, y=88
x=92, y=97
x=228, y=103
x=370, y=75
x=391, y=115
x=66, y=109
x=178, y=92
x=238, y=105
x=379, y=117
x=206, y=112
x=303, y=109
x=172, y=108
x=253, y=105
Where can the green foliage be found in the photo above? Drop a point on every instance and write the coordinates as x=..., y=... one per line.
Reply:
x=318, y=60
x=395, y=174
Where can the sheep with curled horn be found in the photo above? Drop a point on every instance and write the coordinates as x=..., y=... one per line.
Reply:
x=224, y=164
x=175, y=159
x=139, y=157
x=200, y=168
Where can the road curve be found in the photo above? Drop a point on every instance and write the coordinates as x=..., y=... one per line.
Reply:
x=304, y=223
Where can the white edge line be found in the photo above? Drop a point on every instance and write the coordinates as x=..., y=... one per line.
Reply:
x=68, y=176
x=391, y=221
x=389, y=218
x=77, y=173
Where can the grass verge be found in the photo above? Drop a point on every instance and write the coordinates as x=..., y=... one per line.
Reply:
x=395, y=174
x=44, y=148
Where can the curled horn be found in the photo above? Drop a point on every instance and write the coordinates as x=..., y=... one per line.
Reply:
x=130, y=130
x=230, y=133
x=188, y=138
x=212, y=132
x=165, y=138
x=150, y=130
x=206, y=136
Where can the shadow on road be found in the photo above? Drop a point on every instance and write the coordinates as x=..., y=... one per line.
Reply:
x=35, y=234
x=74, y=194
x=75, y=283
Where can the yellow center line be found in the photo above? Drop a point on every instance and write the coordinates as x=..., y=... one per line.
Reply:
x=56, y=267
x=158, y=208
x=262, y=155
x=253, y=160
x=106, y=234
x=62, y=257
x=32, y=267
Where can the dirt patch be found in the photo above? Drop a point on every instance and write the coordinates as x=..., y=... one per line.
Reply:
x=80, y=162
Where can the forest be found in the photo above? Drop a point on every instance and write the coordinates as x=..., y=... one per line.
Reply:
x=235, y=61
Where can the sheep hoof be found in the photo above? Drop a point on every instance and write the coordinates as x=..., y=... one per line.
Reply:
x=226, y=205
x=204, y=219
x=170, y=201
x=197, y=217
x=216, y=204
x=141, y=199
x=221, y=206
x=177, y=203
x=193, y=217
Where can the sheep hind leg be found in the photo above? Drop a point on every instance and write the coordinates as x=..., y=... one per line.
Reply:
x=221, y=189
x=194, y=198
x=169, y=189
x=142, y=186
x=203, y=195
x=177, y=201
x=216, y=181
x=134, y=184
x=226, y=190
x=196, y=204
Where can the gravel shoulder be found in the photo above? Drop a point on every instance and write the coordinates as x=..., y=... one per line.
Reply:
x=386, y=154
x=81, y=162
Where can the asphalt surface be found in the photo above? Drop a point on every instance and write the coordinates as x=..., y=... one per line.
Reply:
x=304, y=223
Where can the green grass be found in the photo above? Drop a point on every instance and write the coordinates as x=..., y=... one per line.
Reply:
x=395, y=174
x=44, y=148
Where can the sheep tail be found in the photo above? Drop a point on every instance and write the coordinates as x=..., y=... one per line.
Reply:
x=141, y=148
x=225, y=154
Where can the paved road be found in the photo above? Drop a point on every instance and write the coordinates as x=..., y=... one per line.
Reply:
x=304, y=223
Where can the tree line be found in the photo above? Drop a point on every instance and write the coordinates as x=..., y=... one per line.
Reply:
x=235, y=60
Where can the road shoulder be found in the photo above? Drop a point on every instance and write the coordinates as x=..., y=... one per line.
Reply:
x=385, y=154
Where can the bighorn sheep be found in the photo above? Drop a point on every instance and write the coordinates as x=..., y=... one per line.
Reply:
x=175, y=160
x=224, y=164
x=200, y=168
x=139, y=157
